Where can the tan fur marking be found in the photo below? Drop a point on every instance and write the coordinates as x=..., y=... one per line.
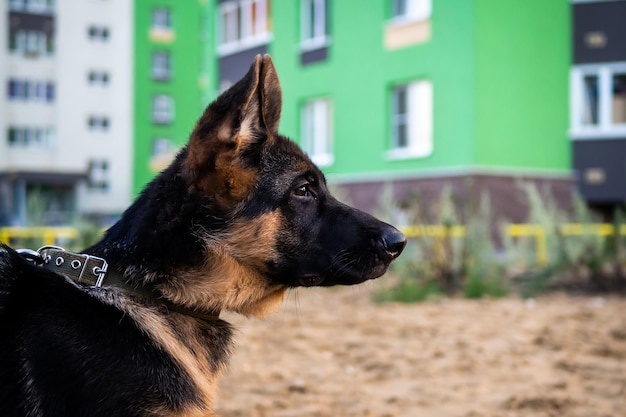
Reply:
x=236, y=182
x=191, y=361
x=233, y=277
x=249, y=124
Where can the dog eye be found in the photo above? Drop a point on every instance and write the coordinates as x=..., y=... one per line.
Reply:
x=303, y=191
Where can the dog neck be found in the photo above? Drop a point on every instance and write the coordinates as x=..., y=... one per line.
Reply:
x=95, y=272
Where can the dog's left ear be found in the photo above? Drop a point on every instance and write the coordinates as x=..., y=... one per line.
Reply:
x=271, y=95
x=260, y=111
x=243, y=117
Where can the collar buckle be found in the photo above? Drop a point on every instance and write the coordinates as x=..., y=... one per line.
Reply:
x=82, y=268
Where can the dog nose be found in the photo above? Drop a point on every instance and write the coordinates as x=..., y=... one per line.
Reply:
x=393, y=242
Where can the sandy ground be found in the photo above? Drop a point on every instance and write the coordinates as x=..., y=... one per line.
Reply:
x=332, y=352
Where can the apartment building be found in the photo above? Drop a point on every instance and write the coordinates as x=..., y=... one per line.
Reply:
x=419, y=94
x=66, y=111
x=598, y=101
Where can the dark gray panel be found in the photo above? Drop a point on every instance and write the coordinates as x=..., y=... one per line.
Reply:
x=43, y=177
x=233, y=67
x=599, y=30
x=600, y=167
x=317, y=55
x=28, y=21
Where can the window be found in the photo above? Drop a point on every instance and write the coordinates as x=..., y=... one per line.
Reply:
x=13, y=89
x=162, y=146
x=98, y=78
x=314, y=23
x=163, y=153
x=410, y=9
x=50, y=92
x=161, y=66
x=32, y=6
x=242, y=24
x=598, y=106
x=409, y=24
x=98, y=33
x=30, y=42
x=30, y=137
x=29, y=90
x=161, y=27
x=98, y=175
x=161, y=18
x=316, y=131
x=98, y=123
x=411, y=120
x=162, y=109
x=400, y=117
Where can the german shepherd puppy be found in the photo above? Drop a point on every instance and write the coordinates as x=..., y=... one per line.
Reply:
x=239, y=217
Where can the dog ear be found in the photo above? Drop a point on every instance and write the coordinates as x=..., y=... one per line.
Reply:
x=244, y=116
x=260, y=113
x=271, y=95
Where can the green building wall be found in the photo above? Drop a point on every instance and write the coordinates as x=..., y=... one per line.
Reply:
x=499, y=71
x=187, y=84
x=522, y=59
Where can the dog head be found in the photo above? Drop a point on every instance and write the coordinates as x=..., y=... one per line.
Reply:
x=284, y=225
x=243, y=214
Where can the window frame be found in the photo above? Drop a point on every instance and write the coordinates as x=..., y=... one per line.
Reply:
x=98, y=123
x=605, y=128
x=163, y=110
x=316, y=142
x=26, y=137
x=161, y=146
x=100, y=78
x=15, y=89
x=27, y=90
x=30, y=42
x=238, y=36
x=99, y=175
x=416, y=11
x=98, y=33
x=418, y=119
x=161, y=72
x=35, y=7
x=317, y=36
x=162, y=13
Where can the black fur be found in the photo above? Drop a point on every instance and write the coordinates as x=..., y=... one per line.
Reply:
x=65, y=353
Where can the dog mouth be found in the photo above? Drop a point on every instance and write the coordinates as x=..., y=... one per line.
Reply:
x=346, y=277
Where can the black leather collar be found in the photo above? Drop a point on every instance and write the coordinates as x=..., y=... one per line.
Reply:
x=94, y=272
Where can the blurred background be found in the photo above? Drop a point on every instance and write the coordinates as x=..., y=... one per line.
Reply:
x=493, y=132
x=458, y=120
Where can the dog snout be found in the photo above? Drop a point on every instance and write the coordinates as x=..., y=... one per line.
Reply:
x=391, y=243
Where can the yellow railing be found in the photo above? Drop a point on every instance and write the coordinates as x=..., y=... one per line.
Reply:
x=537, y=232
x=434, y=230
x=48, y=235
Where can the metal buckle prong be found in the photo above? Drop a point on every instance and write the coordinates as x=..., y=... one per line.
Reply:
x=99, y=271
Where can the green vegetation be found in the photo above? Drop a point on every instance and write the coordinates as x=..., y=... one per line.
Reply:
x=582, y=254
x=457, y=248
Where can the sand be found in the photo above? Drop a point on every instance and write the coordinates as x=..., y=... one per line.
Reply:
x=333, y=352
